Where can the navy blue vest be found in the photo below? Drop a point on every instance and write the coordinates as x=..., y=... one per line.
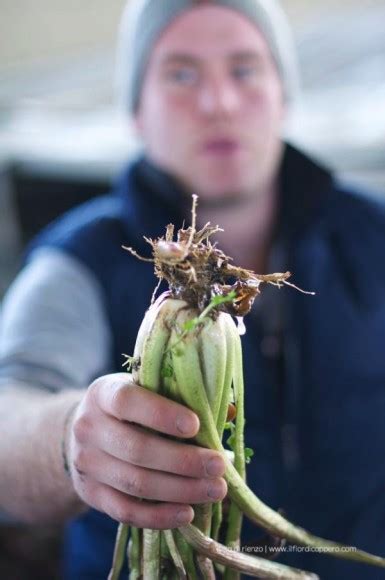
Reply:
x=315, y=410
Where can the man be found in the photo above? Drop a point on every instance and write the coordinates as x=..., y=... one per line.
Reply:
x=208, y=87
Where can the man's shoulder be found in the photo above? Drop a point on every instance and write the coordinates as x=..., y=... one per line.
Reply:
x=356, y=232
x=358, y=211
x=109, y=218
x=90, y=219
x=361, y=202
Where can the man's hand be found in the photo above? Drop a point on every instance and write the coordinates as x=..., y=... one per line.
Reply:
x=118, y=456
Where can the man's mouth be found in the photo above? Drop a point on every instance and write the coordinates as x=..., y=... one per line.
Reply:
x=221, y=146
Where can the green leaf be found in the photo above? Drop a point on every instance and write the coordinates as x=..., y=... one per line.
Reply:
x=217, y=300
x=231, y=440
x=190, y=324
x=248, y=454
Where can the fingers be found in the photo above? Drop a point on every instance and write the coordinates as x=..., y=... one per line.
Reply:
x=118, y=396
x=141, y=514
x=149, y=484
x=121, y=464
x=139, y=447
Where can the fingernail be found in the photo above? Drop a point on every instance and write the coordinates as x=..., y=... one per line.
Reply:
x=184, y=516
x=215, y=490
x=186, y=424
x=215, y=467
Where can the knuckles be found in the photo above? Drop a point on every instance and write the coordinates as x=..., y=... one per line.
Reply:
x=135, y=486
x=116, y=387
x=81, y=428
x=128, y=511
x=95, y=386
x=79, y=460
x=130, y=480
x=120, y=400
x=136, y=449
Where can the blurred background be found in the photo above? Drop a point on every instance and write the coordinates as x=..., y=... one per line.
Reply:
x=62, y=140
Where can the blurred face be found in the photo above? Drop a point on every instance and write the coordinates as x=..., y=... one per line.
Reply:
x=211, y=107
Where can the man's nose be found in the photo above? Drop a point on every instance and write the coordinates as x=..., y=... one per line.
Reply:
x=218, y=97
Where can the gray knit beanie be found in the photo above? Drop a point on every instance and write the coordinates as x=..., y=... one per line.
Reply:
x=143, y=22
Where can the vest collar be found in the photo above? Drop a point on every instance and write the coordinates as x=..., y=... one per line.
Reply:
x=155, y=198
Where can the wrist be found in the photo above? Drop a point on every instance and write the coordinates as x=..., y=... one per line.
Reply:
x=68, y=418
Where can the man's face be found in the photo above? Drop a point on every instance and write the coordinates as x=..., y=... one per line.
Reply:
x=211, y=107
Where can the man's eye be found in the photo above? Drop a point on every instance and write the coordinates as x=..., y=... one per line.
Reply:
x=183, y=76
x=244, y=72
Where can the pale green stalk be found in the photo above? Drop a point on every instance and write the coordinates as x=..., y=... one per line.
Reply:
x=187, y=555
x=119, y=552
x=202, y=521
x=216, y=520
x=212, y=345
x=165, y=556
x=235, y=516
x=174, y=553
x=134, y=554
x=151, y=554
